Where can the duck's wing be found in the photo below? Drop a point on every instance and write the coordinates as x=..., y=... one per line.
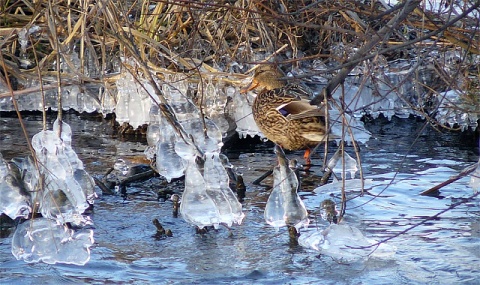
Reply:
x=295, y=90
x=299, y=109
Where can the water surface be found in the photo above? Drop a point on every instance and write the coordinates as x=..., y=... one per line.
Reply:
x=445, y=250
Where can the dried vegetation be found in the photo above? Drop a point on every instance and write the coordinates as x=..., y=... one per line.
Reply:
x=40, y=40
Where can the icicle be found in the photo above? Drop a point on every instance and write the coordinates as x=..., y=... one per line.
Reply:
x=284, y=206
x=169, y=164
x=216, y=180
x=197, y=207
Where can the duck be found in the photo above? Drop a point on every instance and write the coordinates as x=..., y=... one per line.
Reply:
x=283, y=113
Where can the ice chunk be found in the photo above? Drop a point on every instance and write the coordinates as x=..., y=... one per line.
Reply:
x=14, y=198
x=215, y=102
x=66, y=186
x=134, y=101
x=242, y=114
x=336, y=164
x=197, y=207
x=344, y=243
x=284, y=207
x=217, y=186
x=207, y=199
x=211, y=141
x=44, y=240
x=168, y=163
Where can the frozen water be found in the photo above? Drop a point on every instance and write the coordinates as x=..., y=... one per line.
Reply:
x=216, y=181
x=14, y=198
x=168, y=163
x=215, y=100
x=344, y=243
x=336, y=164
x=355, y=124
x=350, y=185
x=242, y=114
x=67, y=186
x=134, y=101
x=44, y=240
x=475, y=178
x=197, y=207
x=211, y=141
x=185, y=150
x=207, y=199
x=284, y=207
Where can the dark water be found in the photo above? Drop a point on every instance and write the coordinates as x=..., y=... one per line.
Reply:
x=445, y=250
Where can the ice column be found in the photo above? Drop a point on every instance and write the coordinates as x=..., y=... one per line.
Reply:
x=242, y=113
x=67, y=186
x=134, y=102
x=168, y=163
x=284, y=207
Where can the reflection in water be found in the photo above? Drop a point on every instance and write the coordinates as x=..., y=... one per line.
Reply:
x=443, y=250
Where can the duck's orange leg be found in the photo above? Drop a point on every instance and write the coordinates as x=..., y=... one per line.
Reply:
x=306, y=156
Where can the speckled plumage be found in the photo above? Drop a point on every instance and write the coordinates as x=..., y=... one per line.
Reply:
x=282, y=113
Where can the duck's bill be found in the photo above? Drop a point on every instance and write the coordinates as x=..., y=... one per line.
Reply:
x=251, y=86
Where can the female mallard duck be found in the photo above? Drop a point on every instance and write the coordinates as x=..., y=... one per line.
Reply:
x=283, y=113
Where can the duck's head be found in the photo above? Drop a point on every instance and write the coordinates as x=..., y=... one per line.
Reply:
x=266, y=77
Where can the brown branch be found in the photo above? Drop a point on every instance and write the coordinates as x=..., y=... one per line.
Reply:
x=452, y=179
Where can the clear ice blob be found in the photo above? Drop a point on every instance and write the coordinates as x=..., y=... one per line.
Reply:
x=336, y=164
x=218, y=189
x=284, y=207
x=344, y=243
x=196, y=207
x=43, y=240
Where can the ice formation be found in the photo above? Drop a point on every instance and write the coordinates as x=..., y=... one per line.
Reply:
x=350, y=185
x=344, y=243
x=242, y=114
x=45, y=240
x=190, y=146
x=68, y=188
x=475, y=178
x=134, y=102
x=14, y=198
x=284, y=207
x=336, y=164
x=207, y=199
x=60, y=189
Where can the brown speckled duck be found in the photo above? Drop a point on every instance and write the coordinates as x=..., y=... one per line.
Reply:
x=283, y=112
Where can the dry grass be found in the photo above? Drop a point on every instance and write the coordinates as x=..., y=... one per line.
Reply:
x=221, y=39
